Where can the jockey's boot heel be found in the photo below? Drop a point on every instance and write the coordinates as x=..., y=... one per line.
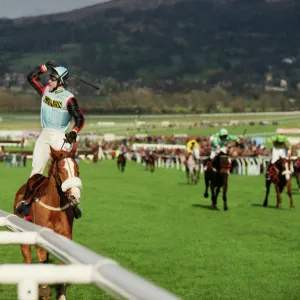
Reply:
x=77, y=212
x=22, y=208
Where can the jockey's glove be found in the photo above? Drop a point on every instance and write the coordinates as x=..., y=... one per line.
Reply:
x=71, y=137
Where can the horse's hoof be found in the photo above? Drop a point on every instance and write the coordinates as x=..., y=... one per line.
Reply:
x=205, y=195
x=62, y=297
x=225, y=208
x=45, y=292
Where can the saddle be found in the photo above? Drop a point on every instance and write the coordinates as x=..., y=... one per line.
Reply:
x=33, y=185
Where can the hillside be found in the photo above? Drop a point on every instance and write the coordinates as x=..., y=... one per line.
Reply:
x=170, y=45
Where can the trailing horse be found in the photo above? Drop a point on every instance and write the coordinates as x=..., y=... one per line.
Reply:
x=215, y=177
x=192, y=166
x=296, y=173
x=150, y=162
x=121, y=162
x=280, y=175
x=52, y=203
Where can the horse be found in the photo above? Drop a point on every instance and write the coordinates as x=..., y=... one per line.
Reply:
x=52, y=204
x=192, y=167
x=150, y=162
x=121, y=162
x=216, y=176
x=297, y=171
x=281, y=177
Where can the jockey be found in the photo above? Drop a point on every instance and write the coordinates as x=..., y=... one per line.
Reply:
x=189, y=150
x=58, y=108
x=219, y=143
x=281, y=148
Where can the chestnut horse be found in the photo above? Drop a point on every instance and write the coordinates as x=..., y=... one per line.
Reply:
x=52, y=205
x=150, y=162
x=121, y=162
x=216, y=176
x=297, y=172
x=280, y=175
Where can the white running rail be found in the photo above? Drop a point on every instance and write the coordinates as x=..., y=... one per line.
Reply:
x=85, y=266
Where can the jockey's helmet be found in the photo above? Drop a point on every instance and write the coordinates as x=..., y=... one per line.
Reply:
x=61, y=74
x=223, y=132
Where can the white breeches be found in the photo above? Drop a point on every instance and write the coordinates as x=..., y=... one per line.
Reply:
x=215, y=151
x=276, y=153
x=41, y=154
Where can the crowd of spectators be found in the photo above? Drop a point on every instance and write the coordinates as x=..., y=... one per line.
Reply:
x=249, y=147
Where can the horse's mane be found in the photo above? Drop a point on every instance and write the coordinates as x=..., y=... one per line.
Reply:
x=51, y=166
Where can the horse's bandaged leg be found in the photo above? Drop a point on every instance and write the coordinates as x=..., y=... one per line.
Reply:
x=287, y=172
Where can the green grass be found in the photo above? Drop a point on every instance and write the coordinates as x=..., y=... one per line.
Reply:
x=150, y=224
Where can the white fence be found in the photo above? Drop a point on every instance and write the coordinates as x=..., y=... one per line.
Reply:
x=85, y=266
x=249, y=166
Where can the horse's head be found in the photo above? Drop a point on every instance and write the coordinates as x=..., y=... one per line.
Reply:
x=283, y=167
x=221, y=163
x=196, y=153
x=65, y=171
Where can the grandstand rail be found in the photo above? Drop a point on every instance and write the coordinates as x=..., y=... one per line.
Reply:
x=86, y=266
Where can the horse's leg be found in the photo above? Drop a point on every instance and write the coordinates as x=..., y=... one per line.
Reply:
x=41, y=217
x=218, y=188
x=297, y=178
x=26, y=252
x=187, y=174
x=44, y=289
x=279, y=199
x=213, y=196
x=195, y=176
x=152, y=167
x=268, y=184
x=289, y=192
x=225, y=187
x=206, y=180
x=25, y=249
x=65, y=229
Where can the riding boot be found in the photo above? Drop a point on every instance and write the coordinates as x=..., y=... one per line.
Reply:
x=22, y=207
x=77, y=212
x=206, y=162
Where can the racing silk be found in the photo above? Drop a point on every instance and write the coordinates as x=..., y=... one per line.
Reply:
x=57, y=107
x=216, y=141
x=285, y=144
x=54, y=111
x=123, y=150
